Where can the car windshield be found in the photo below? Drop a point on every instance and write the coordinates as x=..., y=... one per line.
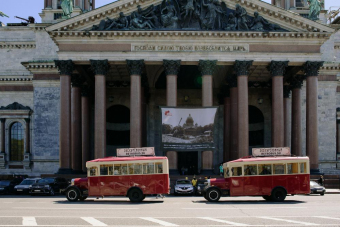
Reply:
x=27, y=182
x=314, y=184
x=183, y=182
x=4, y=183
x=46, y=181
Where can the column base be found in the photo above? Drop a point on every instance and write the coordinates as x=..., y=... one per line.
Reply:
x=315, y=172
x=64, y=171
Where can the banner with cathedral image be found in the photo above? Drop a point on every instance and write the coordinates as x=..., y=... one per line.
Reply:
x=188, y=128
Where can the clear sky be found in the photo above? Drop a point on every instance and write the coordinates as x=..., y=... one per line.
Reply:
x=25, y=8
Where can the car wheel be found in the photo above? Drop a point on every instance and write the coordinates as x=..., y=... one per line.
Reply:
x=52, y=192
x=175, y=193
x=73, y=195
x=322, y=193
x=267, y=197
x=278, y=195
x=213, y=195
x=135, y=195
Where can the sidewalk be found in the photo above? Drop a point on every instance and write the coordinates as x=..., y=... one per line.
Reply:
x=332, y=191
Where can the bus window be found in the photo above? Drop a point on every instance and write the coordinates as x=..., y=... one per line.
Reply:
x=130, y=168
x=93, y=171
x=124, y=170
x=116, y=169
x=106, y=170
x=303, y=168
x=250, y=170
x=148, y=168
x=265, y=169
x=138, y=168
x=159, y=168
x=292, y=168
x=226, y=172
x=236, y=171
x=279, y=168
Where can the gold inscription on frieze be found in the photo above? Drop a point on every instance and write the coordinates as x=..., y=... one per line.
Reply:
x=190, y=48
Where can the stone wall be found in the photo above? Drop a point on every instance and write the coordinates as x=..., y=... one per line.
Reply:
x=46, y=128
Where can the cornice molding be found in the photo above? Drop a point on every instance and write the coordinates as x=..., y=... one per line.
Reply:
x=287, y=19
x=41, y=67
x=214, y=34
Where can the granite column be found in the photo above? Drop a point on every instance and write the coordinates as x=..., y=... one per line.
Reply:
x=207, y=68
x=171, y=71
x=312, y=147
x=135, y=68
x=241, y=68
x=65, y=68
x=2, y=136
x=85, y=126
x=232, y=80
x=286, y=116
x=277, y=70
x=27, y=135
x=296, y=135
x=100, y=68
x=76, y=81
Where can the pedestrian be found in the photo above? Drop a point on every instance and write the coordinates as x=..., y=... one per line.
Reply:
x=221, y=169
x=194, y=184
x=321, y=181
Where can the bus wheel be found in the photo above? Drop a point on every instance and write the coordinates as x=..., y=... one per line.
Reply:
x=267, y=197
x=278, y=195
x=213, y=195
x=136, y=195
x=73, y=195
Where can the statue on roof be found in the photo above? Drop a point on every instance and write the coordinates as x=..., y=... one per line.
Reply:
x=170, y=14
x=67, y=6
x=242, y=18
x=314, y=9
x=3, y=15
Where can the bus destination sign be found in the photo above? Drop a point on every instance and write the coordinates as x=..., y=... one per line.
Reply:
x=271, y=151
x=142, y=151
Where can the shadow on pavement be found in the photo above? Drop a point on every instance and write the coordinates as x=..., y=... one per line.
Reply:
x=253, y=202
x=108, y=202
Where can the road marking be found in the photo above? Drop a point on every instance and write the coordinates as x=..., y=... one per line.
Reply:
x=224, y=221
x=245, y=208
x=164, y=223
x=73, y=208
x=327, y=217
x=29, y=221
x=93, y=221
x=291, y=221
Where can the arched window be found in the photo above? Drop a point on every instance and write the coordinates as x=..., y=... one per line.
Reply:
x=17, y=142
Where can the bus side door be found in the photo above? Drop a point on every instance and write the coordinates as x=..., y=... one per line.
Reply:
x=236, y=182
x=94, y=186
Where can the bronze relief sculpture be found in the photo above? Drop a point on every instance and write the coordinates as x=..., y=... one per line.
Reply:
x=189, y=15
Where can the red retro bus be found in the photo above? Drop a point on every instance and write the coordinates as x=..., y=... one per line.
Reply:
x=270, y=177
x=134, y=177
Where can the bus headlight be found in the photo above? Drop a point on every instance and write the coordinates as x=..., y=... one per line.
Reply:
x=72, y=182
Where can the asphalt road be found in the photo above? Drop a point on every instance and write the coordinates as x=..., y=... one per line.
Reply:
x=313, y=210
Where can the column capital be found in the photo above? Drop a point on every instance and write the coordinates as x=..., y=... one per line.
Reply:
x=171, y=66
x=2, y=120
x=296, y=81
x=65, y=67
x=77, y=80
x=85, y=90
x=207, y=67
x=100, y=67
x=286, y=91
x=135, y=67
x=311, y=68
x=277, y=68
x=242, y=67
x=232, y=80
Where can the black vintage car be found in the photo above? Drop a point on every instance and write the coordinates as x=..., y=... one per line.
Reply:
x=49, y=186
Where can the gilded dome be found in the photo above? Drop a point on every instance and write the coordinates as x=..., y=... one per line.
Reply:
x=189, y=121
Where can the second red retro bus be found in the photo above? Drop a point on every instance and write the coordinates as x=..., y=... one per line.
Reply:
x=270, y=177
x=134, y=177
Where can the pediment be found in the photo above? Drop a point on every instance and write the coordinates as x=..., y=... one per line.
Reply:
x=210, y=17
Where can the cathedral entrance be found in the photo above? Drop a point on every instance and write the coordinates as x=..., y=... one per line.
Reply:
x=256, y=128
x=188, y=162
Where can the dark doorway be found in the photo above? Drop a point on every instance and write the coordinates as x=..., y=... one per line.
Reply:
x=117, y=128
x=188, y=162
x=256, y=128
